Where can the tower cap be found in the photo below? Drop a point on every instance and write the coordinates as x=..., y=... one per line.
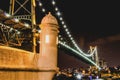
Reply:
x=49, y=19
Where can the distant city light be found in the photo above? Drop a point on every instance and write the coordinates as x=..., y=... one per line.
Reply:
x=79, y=76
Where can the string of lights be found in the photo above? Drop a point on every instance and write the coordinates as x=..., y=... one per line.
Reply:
x=68, y=47
x=59, y=15
x=41, y=6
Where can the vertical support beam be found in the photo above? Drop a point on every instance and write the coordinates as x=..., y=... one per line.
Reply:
x=4, y=37
x=33, y=5
x=11, y=8
x=96, y=56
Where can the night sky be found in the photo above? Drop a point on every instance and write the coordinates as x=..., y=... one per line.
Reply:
x=89, y=21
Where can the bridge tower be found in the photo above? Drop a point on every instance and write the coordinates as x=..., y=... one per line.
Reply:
x=25, y=11
x=48, y=47
x=95, y=56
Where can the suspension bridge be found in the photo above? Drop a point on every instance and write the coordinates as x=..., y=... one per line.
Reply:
x=19, y=29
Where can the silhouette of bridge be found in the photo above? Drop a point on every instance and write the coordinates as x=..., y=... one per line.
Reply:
x=19, y=29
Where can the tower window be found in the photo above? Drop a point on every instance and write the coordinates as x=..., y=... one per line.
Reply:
x=47, y=39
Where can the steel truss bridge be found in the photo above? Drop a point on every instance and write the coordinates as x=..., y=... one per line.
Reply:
x=18, y=29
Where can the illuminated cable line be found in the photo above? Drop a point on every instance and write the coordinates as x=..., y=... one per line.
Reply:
x=41, y=5
x=68, y=47
x=68, y=33
x=93, y=52
x=63, y=23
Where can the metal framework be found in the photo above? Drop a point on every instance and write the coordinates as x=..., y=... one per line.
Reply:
x=25, y=10
x=10, y=30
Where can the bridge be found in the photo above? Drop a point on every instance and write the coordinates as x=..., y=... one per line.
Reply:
x=19, y=29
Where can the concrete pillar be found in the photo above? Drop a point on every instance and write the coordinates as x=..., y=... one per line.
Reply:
x=48, y=47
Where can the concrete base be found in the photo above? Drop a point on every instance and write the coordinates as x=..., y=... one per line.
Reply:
x=18, y=64
x=25, y=75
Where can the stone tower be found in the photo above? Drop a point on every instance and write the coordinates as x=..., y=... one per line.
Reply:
x=48, y=47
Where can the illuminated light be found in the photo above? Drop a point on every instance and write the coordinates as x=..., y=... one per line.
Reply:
x=11, y=29
x=71, y=38
x=64, y=42
x=58, y=13
x=43, y=10
x=74, y=42
x=66, y=29
x=64, y=26
x=40, y=4
x=59, y=35
x=61, y=18
x=57, y=40
x=63, y=22
x=16, y=20
x=97, y=77
x=68, y=32
x=47, y=39
x=53, y=2
x=61, y=38
x=18, y=32
x=69, y=35
x=79, y=76
x=27, y=25
x=56, y=9
x=39, y=31
x=7, y=15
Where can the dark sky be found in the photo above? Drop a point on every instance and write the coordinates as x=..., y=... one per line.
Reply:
x=91, y=21
x=91, y=17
